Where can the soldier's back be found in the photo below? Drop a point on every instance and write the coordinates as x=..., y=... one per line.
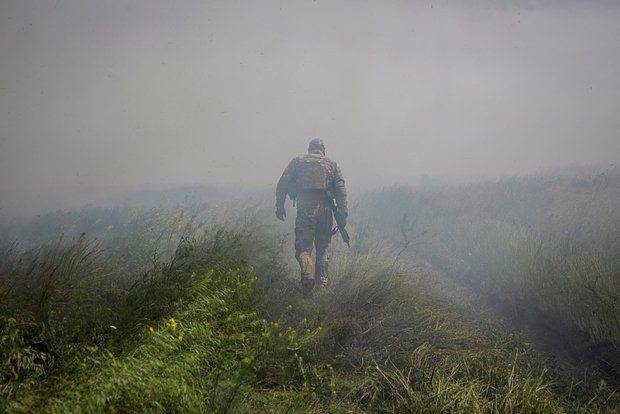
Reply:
x=313, y=172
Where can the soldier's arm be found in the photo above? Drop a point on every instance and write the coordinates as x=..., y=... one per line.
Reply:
x=339, y=190
x=284, y=184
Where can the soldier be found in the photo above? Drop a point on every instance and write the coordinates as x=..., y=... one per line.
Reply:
x=311, y=180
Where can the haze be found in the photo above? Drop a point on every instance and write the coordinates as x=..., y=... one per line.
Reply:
x=100, y=94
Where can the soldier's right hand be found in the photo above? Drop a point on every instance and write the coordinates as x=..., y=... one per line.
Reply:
x=280, y=213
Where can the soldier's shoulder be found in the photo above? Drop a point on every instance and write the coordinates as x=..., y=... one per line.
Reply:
x=331, y=162
x=298, y=159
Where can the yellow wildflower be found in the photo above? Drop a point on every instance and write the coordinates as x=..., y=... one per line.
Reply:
x=180, y=338
x=151, y=329
x=172, y=323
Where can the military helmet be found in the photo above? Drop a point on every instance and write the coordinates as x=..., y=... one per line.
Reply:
x=316, y=145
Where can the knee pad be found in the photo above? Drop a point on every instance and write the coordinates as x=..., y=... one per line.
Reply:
x=305, y=265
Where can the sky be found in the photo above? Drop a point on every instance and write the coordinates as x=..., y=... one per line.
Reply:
x=112, y=93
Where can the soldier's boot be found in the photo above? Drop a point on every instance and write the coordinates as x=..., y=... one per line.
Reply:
x=321, y=267
x=307, y=272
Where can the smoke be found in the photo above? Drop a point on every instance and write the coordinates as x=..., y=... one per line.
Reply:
x=99, y=94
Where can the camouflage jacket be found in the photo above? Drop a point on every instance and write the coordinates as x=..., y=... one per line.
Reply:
x=312, y=171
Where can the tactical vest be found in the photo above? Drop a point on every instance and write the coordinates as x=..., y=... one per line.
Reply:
x=312, y=172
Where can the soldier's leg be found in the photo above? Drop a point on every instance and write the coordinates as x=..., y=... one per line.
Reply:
x=322, y=238
x=304, y=237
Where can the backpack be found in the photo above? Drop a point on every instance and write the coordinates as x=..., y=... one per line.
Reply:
x=312, y=172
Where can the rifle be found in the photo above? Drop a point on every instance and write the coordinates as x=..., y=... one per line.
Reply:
x=339, y=219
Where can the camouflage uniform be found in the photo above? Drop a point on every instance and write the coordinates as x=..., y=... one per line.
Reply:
x=307, y=180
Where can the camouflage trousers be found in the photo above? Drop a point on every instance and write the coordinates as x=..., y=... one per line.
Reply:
x=313, y=227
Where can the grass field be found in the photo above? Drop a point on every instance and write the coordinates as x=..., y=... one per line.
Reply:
x=440, y=306
x=542, y=250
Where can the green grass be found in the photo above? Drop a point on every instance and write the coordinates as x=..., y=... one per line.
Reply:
x=218, y=323
x=383, y=338
x=214, y=354
x=217, y=354
x=207, y=358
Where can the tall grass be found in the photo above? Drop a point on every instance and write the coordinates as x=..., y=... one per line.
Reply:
x=76, y=292
x=543, y=250
x=168, y=311
x=382, y=338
